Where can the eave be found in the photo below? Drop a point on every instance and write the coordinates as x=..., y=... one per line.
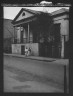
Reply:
x=21, y=22
x=59, y=12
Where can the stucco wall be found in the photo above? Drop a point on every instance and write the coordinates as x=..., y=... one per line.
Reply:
x=16, y=48
x=64, y=25
x=34, y=48
x=64, y=30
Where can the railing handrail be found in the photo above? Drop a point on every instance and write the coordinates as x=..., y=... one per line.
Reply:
x=24, y=40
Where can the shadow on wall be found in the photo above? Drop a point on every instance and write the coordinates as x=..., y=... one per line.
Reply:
x=7, y=49
x=7, y=45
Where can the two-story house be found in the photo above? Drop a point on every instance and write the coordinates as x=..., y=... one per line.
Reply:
x=48, y=38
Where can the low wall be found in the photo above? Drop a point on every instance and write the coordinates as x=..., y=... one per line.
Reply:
x=16, y=48
x=34, y=48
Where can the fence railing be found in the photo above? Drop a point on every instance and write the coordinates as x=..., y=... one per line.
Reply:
x=24, y=40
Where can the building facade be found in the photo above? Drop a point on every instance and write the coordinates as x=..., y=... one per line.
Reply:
x=46, y=34
x=8, y=31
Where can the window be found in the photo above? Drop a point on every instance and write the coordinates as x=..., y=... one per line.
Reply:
x=23, y=14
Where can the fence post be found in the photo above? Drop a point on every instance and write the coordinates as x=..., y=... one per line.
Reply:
x=65, y=80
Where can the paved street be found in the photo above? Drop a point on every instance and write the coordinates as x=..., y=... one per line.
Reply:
x=14, y=82
x=25, y=75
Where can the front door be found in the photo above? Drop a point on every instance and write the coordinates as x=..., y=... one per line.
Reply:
x=22, y=50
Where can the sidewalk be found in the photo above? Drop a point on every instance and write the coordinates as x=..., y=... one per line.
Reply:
x=46, y=59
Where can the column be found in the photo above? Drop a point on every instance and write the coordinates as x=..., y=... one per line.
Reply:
x=62, y=46
x=14, y=35
x=20, y=34
x=28, y=33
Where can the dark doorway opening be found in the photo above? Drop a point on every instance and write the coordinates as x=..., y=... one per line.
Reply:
x=22, y=50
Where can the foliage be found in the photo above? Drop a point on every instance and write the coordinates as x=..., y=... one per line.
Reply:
x=45, y=22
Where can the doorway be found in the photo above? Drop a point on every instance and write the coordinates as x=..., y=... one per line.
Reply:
x=22, y=50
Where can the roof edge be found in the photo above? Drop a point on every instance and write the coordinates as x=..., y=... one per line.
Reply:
x=24, y=9
x=63, y=10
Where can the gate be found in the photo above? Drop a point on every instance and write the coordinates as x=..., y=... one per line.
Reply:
x=56, y=51
x=56, y=46
x=53, y=47
x=45, y=50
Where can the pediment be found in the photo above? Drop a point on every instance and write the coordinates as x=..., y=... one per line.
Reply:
x=23, y=14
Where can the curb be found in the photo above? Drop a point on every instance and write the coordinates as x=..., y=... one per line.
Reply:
x=30, y=58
